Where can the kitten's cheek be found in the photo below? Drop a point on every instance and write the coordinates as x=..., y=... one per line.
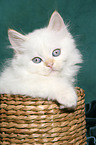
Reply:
x=57, y=67
x=45, y=71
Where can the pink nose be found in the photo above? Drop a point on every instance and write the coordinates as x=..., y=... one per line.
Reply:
x=49, y=63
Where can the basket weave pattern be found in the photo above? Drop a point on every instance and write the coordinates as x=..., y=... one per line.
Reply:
x=34, y=121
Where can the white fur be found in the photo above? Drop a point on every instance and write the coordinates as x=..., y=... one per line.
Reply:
x=25, y=77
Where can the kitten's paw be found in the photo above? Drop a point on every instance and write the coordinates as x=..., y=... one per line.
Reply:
x=61, y=106
x=68, y=108
x=67, y=99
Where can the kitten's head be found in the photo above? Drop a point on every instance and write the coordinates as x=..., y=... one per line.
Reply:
x=47, y=51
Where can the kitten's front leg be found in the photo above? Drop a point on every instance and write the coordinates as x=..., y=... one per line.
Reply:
x=67, y=97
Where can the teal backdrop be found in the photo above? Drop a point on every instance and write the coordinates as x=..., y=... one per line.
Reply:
x=27, y=15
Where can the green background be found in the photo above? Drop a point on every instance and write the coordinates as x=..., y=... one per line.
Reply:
x=27, y=15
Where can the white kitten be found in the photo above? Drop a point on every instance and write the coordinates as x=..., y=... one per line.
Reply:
x=44, y=64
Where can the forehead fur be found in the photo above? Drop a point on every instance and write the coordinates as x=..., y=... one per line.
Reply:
x=44, y=41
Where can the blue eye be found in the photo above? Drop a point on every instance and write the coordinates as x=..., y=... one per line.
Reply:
x=36, y=59
x=56, y=52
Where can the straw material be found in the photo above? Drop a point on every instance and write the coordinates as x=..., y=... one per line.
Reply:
x=34, y=121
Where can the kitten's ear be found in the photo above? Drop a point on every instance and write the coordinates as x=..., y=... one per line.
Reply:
x=56, y=22
x=16, y=39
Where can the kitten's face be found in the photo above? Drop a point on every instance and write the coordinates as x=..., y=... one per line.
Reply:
x=45, y=51
x=45, y=60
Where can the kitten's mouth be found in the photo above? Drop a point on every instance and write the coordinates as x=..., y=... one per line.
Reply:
x=52, y=70
x=55, y=71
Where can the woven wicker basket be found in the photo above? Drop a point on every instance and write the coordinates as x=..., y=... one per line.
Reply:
x=34, y=121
